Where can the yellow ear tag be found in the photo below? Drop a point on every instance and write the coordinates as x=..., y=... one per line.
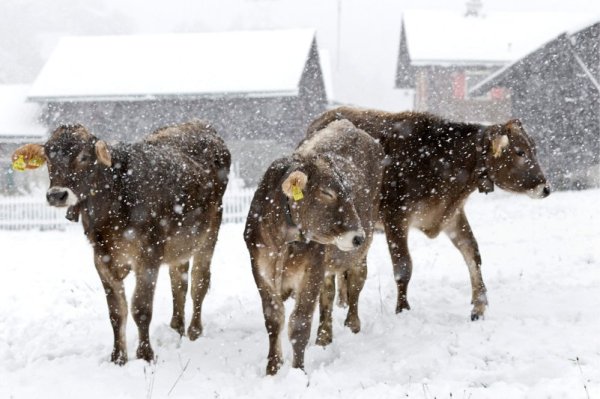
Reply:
x=19, y=164
x=297, y=193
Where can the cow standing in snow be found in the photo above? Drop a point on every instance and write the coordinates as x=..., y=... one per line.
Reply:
x=154, y=202
x=313, y=214
x=434, y=165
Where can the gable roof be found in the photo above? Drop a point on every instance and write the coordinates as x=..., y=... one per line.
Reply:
x=250, y=63
x=18, y=119
x=449, y=37
x=535, y=60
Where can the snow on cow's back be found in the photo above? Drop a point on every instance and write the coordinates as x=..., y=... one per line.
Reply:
x=339, y=136
x=197, y=139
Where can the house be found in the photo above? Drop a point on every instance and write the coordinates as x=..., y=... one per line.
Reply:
x=18, y=125
x=260, y=89
x=555, y=90
x=442, y=54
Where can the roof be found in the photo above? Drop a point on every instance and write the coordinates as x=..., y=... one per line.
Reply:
x=502, y=76
x=18, y=119
x=251, y=63
x=440, y=37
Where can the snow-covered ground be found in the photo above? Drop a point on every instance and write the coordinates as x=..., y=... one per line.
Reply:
x=540, y=337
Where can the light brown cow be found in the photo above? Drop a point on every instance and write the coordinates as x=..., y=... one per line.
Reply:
x=434, y=165
x=142, y=205
x=313, y=213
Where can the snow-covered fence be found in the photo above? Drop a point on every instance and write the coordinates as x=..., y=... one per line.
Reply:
x=236, y=203
x=32, y=212
x=19, y=213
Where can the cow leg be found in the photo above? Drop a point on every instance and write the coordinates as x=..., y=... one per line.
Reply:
x=355, y=281
x=301, y=318
x=201, y=275
x=143, y=298
x=326, y=297
x=117, y=306
x=462, y=237
x=274, y=312
x=273, y=308
x=179, y=286
x=397, y=239
x=342, y=286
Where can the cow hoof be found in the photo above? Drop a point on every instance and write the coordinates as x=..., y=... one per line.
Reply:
x=402, y=306
x=478, y=311
x=178, y=325
x=353, y=322
x=194, y=332
x=145, y=352
x=273, y=366
x=475, y=315
x=324, y=338
x=118, y=357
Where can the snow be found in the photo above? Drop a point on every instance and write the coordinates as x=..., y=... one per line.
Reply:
x=539, y=338
x=17, y=117
x=266, y=62
x=443, y=36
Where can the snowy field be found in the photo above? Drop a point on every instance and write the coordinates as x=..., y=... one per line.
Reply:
x=540, y=337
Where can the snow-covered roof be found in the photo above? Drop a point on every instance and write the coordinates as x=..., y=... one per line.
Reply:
x=495, y=78
x=439, y=37
x=18, y=118
x=254, y=63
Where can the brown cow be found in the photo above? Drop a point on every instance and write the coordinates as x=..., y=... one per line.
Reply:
x=142, y=205
x=434, y=165
x=313, y=213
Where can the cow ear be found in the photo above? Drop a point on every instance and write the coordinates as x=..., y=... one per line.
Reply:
x=102, y=153
x=29, y=156
x=515, y=125
x=499, y=143
x=294, y=184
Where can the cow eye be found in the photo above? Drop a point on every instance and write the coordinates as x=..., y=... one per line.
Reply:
x=327, y=193
x=519, y=152
x=84, y=157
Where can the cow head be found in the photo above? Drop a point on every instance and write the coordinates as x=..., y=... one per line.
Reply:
x=322, y=205
x=512, y=160
x=73, y=156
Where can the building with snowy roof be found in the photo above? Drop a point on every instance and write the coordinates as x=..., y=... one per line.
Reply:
x=555, y=91
x=260, y=89
x=443, y=53
x=19, y=124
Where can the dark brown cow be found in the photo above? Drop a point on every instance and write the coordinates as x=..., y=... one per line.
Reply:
x=434, y=165
x=313, y=213
x=142, y=205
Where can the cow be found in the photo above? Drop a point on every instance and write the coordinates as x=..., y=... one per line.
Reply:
x=313, y=214
x=143, y=204
x=434, y=165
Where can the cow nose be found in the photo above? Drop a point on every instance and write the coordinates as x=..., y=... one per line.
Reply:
x=358, y=240
x=546, y=191
x=57, y=196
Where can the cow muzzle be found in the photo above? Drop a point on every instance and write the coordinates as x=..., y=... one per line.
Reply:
x=350, y=240
x=61, y=196
x=542, y=190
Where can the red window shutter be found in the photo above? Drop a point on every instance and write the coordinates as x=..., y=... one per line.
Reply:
x=498, y=93
x=459, y=85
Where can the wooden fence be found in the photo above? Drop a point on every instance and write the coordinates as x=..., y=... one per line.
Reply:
x=32, y=212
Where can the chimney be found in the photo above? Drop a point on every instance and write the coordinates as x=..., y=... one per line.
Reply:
x=473, y=8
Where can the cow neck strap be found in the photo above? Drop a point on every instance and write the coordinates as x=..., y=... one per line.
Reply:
x=485, y=184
